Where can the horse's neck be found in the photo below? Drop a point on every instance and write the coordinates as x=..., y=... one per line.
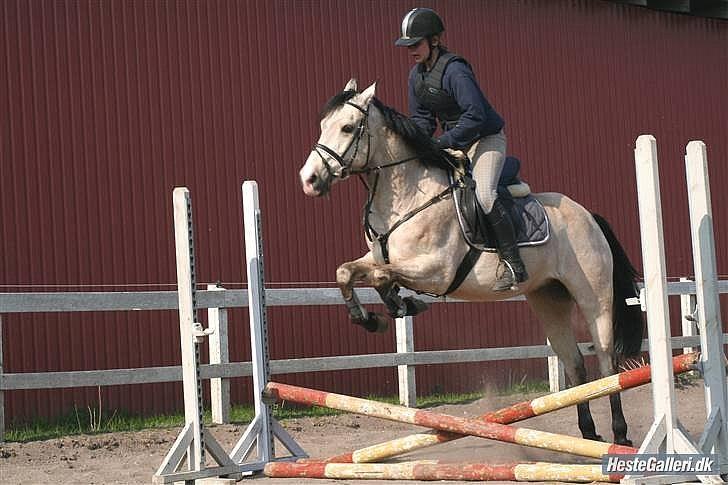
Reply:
x=402, y=188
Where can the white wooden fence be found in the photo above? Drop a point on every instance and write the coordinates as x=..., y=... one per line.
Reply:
x=218, y=300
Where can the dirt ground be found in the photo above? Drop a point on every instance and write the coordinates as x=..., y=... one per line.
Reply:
x=133, y=457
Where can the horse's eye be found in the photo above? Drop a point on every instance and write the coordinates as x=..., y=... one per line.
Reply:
x=347, y=128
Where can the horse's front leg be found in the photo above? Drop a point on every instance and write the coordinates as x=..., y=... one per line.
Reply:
x=396, y=305
x=349, y=274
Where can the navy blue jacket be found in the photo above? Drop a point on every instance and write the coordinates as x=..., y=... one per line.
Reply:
x=478, y=119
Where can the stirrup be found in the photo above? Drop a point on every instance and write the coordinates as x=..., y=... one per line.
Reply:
x=507, y=280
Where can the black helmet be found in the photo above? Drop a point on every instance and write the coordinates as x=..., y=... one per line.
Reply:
x=418, y=24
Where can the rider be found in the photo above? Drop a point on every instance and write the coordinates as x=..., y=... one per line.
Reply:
x=442, y=87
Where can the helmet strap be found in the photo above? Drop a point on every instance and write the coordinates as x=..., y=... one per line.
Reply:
x=432, y=51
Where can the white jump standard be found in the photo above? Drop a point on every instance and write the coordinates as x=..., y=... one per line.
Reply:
x=194, y=439
x=264, y=428
x=667, y=434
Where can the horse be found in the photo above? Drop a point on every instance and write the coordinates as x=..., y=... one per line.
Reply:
x=415, y=242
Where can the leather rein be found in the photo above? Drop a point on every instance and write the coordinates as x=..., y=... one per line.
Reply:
x=346, y=170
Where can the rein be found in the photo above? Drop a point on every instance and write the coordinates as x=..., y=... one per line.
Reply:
x=383, y=238
x=346, y=170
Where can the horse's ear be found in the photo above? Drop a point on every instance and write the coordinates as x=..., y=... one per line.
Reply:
x=351, y=85
x=366, y=96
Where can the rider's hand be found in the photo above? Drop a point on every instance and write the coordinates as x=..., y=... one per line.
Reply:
x=457, y=154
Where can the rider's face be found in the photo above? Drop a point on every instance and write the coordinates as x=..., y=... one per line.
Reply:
x=420, y=51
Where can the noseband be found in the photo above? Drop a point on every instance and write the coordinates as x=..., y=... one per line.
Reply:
x=345, y=165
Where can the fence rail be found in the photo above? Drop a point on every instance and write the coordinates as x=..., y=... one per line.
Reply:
x=89, y=301
x=148, y=375
x=220, y=299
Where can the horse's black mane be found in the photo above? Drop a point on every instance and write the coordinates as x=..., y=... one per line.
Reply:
x=400, y=124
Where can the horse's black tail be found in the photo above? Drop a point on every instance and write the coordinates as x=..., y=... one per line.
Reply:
x=629, y=323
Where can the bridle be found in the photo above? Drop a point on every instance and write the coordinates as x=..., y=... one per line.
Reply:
x=346, y=169
x=345, y=166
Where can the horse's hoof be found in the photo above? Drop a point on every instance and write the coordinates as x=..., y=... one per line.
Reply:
x=414, y=306
x=358, y=314
x=375, y=323
x=624, y=442
x=592, y=437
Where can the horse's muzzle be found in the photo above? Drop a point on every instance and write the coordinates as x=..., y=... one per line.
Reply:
x=314, y=185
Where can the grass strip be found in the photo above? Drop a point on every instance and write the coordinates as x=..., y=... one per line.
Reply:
x=92, y=421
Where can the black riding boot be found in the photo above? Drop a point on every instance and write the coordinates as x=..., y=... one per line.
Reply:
x=500, y=221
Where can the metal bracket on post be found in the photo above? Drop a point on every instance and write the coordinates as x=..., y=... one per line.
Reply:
x=689, y=312
x=199, y=333
x=264, y=428
x=637, y=300
x=194, y=439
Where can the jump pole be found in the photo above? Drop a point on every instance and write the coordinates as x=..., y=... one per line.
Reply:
x=518, y=412
x=666, y=435
x=430, y=471
x=444, y=422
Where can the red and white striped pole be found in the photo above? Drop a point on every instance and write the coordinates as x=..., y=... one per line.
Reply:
x=425, y=470
x=517, y=412
x=444, y=422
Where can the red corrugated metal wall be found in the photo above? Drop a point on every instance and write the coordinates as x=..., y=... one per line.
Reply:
x=109, y=105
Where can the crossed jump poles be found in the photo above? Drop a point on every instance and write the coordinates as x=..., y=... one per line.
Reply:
x=494, y=425
x=258, y=440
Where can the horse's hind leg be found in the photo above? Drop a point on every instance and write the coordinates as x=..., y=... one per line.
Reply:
x=553, y=305
x=600, y=326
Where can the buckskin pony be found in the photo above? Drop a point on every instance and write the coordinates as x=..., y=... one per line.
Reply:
x=416, y=242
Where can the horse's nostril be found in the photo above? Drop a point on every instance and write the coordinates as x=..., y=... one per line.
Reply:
x=311, y=179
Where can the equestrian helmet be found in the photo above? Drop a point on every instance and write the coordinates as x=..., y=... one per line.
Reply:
x=419, y=23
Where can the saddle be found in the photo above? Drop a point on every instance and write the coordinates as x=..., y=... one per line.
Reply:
x=528, y=215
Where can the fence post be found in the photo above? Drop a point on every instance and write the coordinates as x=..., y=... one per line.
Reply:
x=557, y=379
x=406, y=373
x=687, y=319
x=217, y=319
